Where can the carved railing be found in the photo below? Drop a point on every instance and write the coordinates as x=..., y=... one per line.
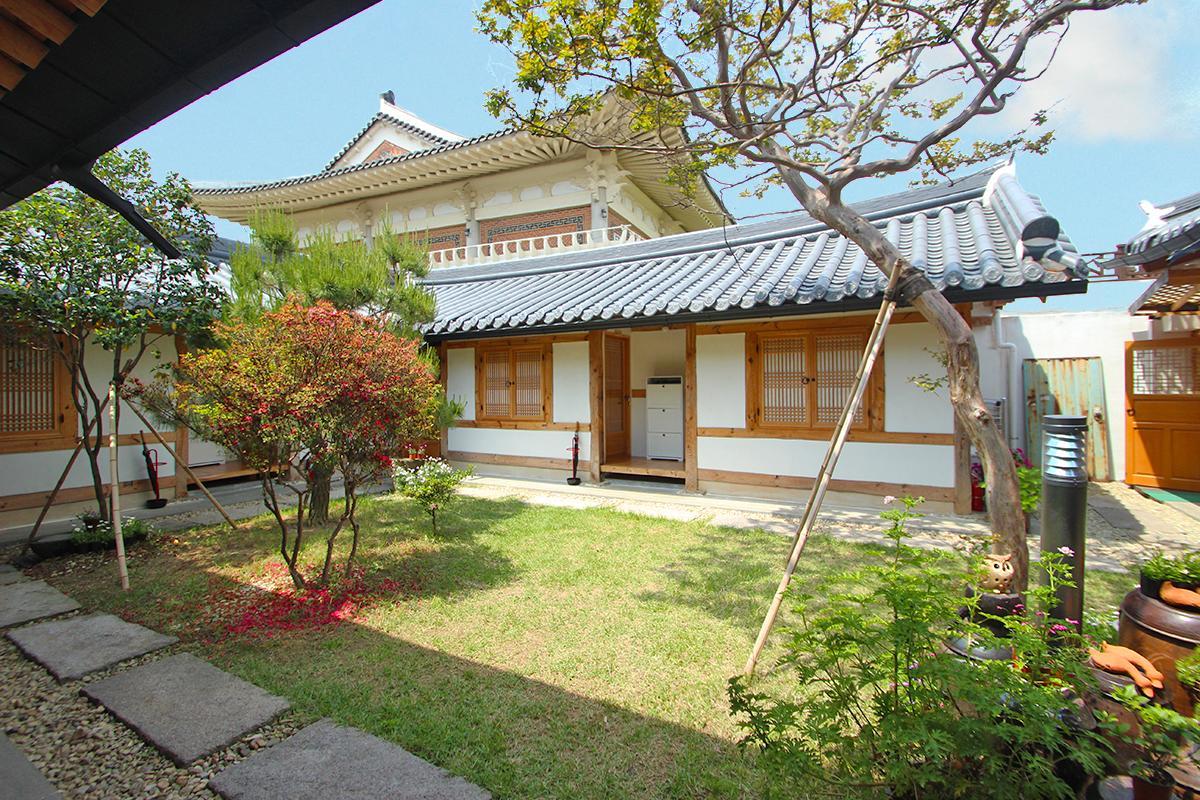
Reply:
x=533, y=246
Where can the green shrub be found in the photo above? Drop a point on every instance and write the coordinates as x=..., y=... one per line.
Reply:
x=1187, y=669
x=1030, y=480
x=878, y=707
x=1183, y=570
x=1165, y=739
x=91, y=532
x=432, y=484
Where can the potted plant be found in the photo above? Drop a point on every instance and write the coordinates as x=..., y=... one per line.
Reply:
x=1164, y=741
x=1182, y=571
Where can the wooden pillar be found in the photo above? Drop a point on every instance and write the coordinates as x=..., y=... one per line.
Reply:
x=444, y=377
x=691, y=481
x=596, y=396
x=181, y=438
x=962, y=469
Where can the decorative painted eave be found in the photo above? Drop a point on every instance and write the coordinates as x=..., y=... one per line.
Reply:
x=391, y=122
x=983, y=237
x=483, y=155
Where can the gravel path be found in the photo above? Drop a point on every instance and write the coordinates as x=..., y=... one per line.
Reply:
x=86, y=753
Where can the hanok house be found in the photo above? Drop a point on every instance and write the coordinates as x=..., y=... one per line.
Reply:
x=722, y=358
x=1162, y=395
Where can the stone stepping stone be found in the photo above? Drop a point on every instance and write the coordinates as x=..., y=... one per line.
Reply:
x=184, y=706
x=19, y=778
x=71, y=648
x=326, y=760
x=30, y=600
x=10, y=574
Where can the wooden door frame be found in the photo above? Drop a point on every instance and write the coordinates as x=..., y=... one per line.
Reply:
x=628, y=434
x=1131, y=418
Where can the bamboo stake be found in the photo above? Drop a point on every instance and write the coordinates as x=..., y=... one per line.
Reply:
x=825, y=473
x=114, y=482
x=37, y=525
x=183, y=465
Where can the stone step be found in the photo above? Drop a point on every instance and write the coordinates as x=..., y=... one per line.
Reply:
x=10, y=574
x=325, y=760
x=26, y=601
x=71, y=648
x=19, y=778
x=186, y=707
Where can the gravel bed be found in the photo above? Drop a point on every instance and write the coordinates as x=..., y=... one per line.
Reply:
x=86, y=753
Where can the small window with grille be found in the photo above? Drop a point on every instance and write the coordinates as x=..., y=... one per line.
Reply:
x=1172, y=370
x=802, y=380
x=511, y=383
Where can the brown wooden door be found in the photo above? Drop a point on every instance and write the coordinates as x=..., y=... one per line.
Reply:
x=616, y=396
x=1162, y=380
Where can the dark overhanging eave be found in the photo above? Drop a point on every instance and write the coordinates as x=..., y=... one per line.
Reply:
x=790, y=309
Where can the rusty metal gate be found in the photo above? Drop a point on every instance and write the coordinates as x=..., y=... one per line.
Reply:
x=1068, y=386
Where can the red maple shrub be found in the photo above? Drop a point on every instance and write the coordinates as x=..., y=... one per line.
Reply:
x=308, y=387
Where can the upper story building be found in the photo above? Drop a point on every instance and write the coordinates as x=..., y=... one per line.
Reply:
x=490, y=197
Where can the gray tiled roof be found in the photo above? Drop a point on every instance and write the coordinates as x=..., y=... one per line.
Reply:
x=1176, y=234
x=975, y=234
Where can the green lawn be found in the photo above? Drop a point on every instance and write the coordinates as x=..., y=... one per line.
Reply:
x=539, y=652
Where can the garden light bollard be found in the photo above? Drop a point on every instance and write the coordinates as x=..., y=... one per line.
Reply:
x=1064, y=504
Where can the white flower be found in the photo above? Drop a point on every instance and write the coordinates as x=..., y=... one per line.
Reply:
x=887, y=501
x=1066, y=551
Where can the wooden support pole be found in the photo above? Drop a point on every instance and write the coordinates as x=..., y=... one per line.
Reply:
x=596, y=398
x=114, y=481
x=41, y=517
x=691, y=479
x=825, y=473
x=183, y=465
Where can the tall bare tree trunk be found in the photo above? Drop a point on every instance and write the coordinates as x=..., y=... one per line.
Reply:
x=1000, y=473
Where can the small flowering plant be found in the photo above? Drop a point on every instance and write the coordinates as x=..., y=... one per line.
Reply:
x=878, y=706
x=432, y=484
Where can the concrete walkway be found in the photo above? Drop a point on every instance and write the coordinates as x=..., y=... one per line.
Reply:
x=188, y=710
x=1124, y=526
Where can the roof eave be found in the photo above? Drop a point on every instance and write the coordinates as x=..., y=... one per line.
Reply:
x=845, y=306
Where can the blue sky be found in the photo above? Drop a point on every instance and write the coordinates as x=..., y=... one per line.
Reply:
x=1125, y=101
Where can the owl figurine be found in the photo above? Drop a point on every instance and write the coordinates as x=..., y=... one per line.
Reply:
x=998, y=574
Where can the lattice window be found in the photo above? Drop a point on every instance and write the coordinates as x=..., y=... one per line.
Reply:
x=838, y=355
x=511, y=383
x=496, y=382
x=785, y=380
x=28, y=400
x=1170, y=370
x=527, y=391
x=803, y=379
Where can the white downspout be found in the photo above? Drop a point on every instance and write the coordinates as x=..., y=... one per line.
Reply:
x=1013, y=399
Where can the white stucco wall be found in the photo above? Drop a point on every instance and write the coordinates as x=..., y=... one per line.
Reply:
x=721, y=381
x=1081, y=334
x=570, y=388
x=651, y=353
x=536, y=444
x=906, y=407
x=921, y=464
x=460, y=378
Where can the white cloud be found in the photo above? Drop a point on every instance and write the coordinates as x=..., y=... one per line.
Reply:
x=1112, y=77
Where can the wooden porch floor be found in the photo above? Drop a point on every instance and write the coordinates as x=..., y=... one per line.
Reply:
x=626, y=465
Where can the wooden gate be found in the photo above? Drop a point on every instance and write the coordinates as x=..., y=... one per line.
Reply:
x=1162, y=408
x=616, y=395
x=1072, y=386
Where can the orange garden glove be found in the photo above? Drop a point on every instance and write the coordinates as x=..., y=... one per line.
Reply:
x=1175, y=596
x=1120, y=660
